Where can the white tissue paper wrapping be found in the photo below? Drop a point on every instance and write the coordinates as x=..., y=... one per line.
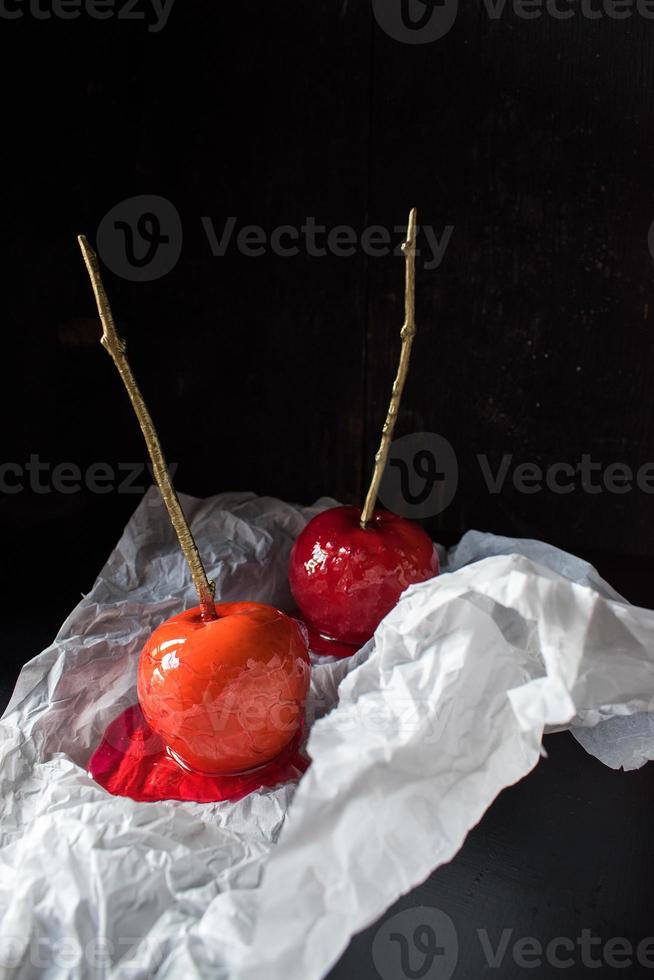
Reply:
x=411, y=741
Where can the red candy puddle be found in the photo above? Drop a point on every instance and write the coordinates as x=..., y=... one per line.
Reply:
x=132, y=761
x=323, y=645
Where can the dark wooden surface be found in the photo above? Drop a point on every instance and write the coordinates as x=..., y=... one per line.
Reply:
x=567, y=850
x=533, y=138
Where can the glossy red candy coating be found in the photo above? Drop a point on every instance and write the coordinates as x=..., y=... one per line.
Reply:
x=132, y=761
x=225, y=696
x=346, y=579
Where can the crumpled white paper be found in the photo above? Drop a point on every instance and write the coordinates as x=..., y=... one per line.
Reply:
x=411, y=741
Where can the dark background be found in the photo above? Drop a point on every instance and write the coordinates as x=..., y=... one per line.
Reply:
x=533, y=138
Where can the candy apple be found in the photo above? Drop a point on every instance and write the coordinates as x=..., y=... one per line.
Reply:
x=225, y=695
x=346, y=578
x=223, y=686
x=349, y=567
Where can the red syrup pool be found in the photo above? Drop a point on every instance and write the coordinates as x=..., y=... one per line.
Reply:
x=325, y=645
x=132, y=761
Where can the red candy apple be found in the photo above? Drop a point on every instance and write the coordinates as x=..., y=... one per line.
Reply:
x=349, y=567
x=345, y=578
x=225, y=695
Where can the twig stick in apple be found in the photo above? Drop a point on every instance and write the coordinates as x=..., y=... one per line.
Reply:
x=407, y=334
x=115, y=345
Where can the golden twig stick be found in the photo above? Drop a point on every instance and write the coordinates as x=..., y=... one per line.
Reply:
x=407, y=334
x=115, y=345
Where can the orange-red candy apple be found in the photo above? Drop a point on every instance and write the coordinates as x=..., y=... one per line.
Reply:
x=225, y=695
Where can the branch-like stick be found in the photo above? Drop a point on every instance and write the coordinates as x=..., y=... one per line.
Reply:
x=407, y=334
x=115, y=345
